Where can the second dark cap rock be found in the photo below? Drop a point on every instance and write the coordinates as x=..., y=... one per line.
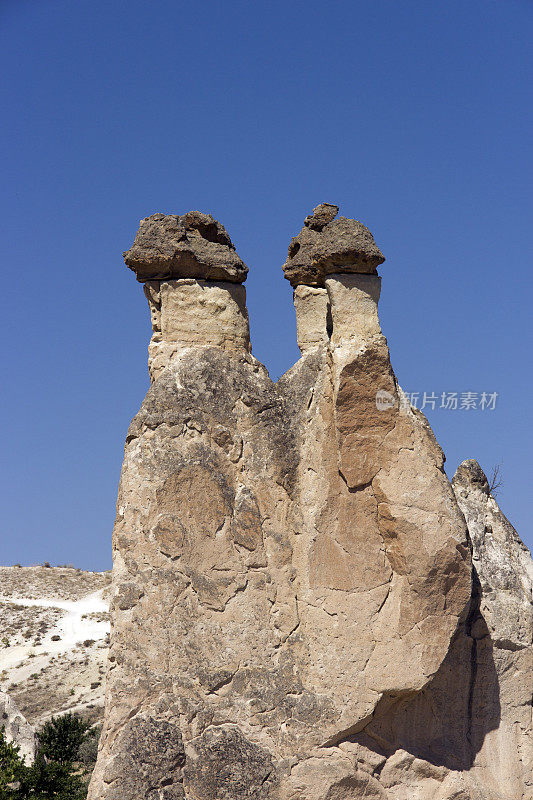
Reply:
x=326, y=245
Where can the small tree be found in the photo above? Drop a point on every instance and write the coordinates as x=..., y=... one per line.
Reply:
x=52, y=776
x=45, y=780
x=60, y=738
x=495, y=480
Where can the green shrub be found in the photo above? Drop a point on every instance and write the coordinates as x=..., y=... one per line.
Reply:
x=59, y=739
x=63, y=745
x=45, y=780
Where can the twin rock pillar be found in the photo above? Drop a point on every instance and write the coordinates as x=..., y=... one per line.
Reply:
x=290, y=564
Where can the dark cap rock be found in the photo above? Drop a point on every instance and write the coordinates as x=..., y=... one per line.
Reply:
x=326, y=245
x=193, y=245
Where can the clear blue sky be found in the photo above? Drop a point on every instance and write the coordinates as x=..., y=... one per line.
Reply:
x=415, y=117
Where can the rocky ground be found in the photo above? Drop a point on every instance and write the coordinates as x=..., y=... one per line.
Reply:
x=54, y=632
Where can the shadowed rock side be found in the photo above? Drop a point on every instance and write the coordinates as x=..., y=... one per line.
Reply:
x=290, y=567
x=467, y=735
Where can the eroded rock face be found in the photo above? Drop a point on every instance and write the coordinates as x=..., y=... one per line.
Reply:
x=293, y=578
x=326, y=245
x=468, y=733
x=503, y=634
x=502, y=561
x=148, y=761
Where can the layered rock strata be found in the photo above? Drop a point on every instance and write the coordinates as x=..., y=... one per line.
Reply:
x=291, y=566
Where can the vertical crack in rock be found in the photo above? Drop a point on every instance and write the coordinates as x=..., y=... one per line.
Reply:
x=472, y=619
x=295, y=616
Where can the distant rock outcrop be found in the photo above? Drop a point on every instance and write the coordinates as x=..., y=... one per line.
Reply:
x=296, y=614
x=16, y=728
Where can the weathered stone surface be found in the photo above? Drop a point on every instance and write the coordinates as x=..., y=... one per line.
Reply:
x=504, y=629
x=16, y=729
x=326, y=245
x=193, y=245
x=322, y=214
x=354, y=303
x=148, y=761
x=312, y=308
x=222, y=763
x=293, y=581
x=188, y=312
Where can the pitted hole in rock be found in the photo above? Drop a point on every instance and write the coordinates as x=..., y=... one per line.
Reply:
x=329, y=321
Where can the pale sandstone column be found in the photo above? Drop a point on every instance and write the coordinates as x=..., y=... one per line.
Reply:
x=354, y=307
x=377, y=511
x=311, y=306
x=288, y=558
x=192, y=313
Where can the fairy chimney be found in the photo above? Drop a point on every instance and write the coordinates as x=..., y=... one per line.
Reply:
x=296, y=615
